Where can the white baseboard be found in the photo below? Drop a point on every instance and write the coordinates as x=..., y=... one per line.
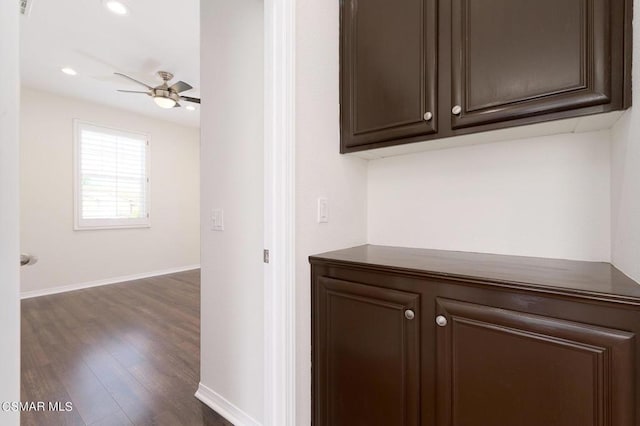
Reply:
x=114, y=280
x=222, y=406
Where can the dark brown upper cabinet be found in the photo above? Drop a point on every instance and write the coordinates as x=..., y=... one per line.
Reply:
x=416, y=70
x=389, y=71
x=518, y=58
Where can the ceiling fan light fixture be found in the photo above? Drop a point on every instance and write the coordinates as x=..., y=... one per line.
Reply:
x=163, y=102
x=116, y=7
x=165, y=95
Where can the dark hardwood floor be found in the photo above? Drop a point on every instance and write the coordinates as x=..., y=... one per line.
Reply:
x=122, y=354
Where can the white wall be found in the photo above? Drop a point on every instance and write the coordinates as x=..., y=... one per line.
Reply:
x=625, y=175
x=9, y=217
x=68, y=257
x=320, y=171
x=625, y=194
x=232, y=179
x=546, y=197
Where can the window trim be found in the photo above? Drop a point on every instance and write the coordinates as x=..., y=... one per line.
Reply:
x=96, y=224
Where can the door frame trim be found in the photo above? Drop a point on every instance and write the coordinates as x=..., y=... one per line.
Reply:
x=9, y=212
x=279, y=213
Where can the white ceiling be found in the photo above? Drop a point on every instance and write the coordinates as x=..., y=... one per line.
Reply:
x=84, y=35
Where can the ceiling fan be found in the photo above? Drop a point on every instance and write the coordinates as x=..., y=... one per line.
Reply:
x=164, y=96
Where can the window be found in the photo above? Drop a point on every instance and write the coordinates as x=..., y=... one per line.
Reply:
x=111, y=178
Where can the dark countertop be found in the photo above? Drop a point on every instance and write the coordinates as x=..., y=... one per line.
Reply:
x=595, y=280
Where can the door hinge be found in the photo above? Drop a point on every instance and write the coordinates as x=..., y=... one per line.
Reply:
x=25, y=7
x=265, y=256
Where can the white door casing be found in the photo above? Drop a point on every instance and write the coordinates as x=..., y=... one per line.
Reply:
x=279, y=214
x=9, y=212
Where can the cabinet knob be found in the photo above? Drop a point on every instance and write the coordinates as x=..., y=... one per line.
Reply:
x=441, y=320
x=409, y=314
x=456, y=110
x=428, y=116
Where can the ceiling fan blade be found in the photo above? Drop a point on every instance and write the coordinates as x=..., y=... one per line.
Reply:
x=177, y=105
x=133, y=91
x=180, y=86
x=134, y=80
x=189, y=99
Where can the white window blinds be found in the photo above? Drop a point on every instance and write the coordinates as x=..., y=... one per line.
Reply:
x=112, y=182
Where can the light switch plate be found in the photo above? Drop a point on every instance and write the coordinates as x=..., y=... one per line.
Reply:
x=323, y=210
x=217, y=220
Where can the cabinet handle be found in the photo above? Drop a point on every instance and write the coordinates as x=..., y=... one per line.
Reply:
x=441, y=320
x=456, y=110
x=428, y=116
x=409, y=314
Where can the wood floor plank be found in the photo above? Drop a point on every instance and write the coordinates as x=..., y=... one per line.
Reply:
x=123, y=354
x=116, y=419
x=46, y=387
x=90, y=398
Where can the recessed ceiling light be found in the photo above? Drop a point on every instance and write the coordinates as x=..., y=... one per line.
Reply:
x=116, y=7
x=69, y=71
x=191, y=108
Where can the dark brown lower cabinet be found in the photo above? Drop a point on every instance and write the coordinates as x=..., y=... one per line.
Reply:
x=425, y=337
x=354, y=349
x=501, y=367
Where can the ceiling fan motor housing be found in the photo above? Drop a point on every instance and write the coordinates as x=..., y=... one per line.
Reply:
x=162, y=93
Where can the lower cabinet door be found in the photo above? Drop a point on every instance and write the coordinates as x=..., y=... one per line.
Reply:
x=366, y=367
x=503, y=368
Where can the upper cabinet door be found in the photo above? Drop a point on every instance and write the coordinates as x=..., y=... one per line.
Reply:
x=388, y=71
x=520, y=58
